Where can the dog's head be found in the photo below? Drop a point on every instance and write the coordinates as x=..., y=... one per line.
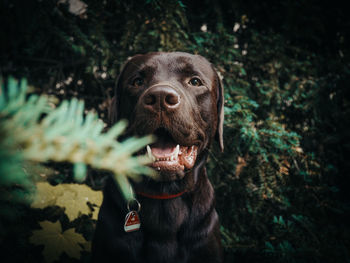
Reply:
x=176, y=96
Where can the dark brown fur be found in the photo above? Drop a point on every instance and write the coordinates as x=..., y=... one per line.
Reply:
x=182, y=229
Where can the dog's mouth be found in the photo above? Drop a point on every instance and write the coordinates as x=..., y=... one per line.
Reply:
x=169, y=156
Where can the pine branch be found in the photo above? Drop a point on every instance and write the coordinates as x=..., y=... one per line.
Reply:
x=63, y=134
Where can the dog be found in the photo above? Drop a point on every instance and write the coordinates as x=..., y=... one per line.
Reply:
x=178, y=97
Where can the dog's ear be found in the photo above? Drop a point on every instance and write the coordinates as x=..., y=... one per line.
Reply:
x=220, y=109
x=112, y=111
x=114, y=104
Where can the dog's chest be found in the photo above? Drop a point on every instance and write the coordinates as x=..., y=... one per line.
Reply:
x=162, y=224
x=163, y=217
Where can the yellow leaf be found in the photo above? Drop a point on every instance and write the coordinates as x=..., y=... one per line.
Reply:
x=46, y=195
x=55, y=242
x=73, y=205
x=72, y=197
x=95, y=213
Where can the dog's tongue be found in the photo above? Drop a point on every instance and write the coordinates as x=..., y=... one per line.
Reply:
x=168, y=156
x=163, y=148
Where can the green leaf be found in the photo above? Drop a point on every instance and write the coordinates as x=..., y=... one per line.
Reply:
x=269, y=246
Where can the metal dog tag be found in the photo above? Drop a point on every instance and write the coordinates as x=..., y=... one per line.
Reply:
x=132, y=222
x=132, y=219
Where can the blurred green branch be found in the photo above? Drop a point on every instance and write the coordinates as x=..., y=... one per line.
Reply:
x=33, y=129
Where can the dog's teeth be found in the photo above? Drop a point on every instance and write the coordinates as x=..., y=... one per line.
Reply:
x=192, y=147
x=177, y=149
x=149, y=152
x=173, y=157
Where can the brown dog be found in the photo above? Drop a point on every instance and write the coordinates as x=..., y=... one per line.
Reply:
x=177, y=97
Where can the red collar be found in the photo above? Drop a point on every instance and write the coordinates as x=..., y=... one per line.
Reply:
x=161, y=196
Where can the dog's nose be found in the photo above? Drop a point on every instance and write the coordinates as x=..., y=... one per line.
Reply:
x=161, y=98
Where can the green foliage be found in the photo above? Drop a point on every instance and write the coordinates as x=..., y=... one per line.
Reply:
x=15, y=183
x=65, y=135
x=281, y=183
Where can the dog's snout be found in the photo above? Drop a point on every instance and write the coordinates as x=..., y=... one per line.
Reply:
x=161, y=98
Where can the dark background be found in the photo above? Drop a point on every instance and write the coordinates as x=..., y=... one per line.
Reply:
x=281, y=184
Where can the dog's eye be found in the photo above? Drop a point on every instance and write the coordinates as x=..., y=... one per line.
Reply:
x=138, y=82
x=195, y=82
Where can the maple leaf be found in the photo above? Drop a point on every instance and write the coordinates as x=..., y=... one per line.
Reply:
x=72, y=197
x=56, y=242
x=46, y=195
x=73, y=204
